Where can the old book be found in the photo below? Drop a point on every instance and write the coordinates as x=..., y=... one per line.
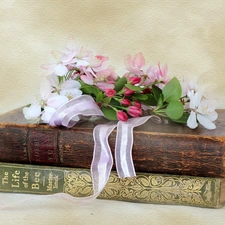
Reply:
x=144, y=188
x=158, y=148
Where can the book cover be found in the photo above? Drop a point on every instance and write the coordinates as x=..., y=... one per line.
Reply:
x=158, y=148
x=144, y=188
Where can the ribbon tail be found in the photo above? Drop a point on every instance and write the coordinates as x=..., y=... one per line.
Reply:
x=124, y=144
x=102, y=158
x=101, y=163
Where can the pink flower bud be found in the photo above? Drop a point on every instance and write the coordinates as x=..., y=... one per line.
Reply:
x=137, y=104
x=147, y=91
x=122, y=116
x=125, y=102
x=134, y=111
x=128, y=92
x=135, y=80
x=110, y=92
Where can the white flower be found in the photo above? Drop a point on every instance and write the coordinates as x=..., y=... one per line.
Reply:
x=202, y=110
x=56, y=101
x=60, y=70
x=47, y=114
x=70, y=89
x=32, y=112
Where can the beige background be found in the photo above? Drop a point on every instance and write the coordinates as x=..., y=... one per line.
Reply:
x=187, y=35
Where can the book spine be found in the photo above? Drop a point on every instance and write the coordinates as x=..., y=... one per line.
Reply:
x=152, y=152
x=144, y=188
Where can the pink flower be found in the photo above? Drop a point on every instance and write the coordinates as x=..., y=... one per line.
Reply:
x=134, y=111
x=122, y=116
x=104, y=79
x=125, y=102
x=135, y=80
x=108, y=75
x=137, y=104
x=110, y=92
x=128, y=92
x=156, y=74
x=103, y=86
x=100, y=63
x=87, y=79
x=135, y=65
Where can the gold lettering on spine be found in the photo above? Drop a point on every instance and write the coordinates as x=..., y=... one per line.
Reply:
x=36, y=184
x=42, y=146
x=25, y=180
x=5, y=178
x=56, y=182
x=16, y=179
x=50, y=182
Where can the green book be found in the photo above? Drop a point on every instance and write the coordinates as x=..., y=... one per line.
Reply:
x=144, y=188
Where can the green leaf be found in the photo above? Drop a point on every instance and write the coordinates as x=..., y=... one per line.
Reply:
x=150, y=100
x=156, y=92
x=109, y=113
x=99, y=97
x=89, y=89
x=174, y=110
x=160, y=101
x=120, y=84
x=182, y=119
x=115, y=102
x=172, y=91
x=106, y=100
x=140, y=96
x=133, y=88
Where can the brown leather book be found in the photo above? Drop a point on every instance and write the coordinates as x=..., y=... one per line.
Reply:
x=158, y=148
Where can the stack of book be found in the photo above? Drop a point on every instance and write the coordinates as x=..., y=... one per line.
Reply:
x=174, y=164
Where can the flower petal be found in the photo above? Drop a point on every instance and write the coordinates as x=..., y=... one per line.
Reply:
x=70, y=84
x=211, y=115
x=81, y=62
x=32, y=112
x=191, y=122
x=60, y=70
x=205, y=122
x=48, y=112
x=139, y=60
x=71, y=92
x=57, y=101
x=86, y=79
x=104, y=86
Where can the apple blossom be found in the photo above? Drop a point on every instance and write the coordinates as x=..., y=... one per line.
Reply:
x=137, y=104
x=135, y=64
x=134, y=111
x=128, y=92
x=202, y=110
x=32, y=112
x=110, y=92
x=122, y=116
x=125, y=102
x=135, y=80
x=47, y=114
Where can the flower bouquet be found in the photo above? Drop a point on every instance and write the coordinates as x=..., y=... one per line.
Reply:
x=144, y=88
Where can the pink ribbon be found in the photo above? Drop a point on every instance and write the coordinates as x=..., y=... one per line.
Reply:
x=69, y=114
x=124, y=144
